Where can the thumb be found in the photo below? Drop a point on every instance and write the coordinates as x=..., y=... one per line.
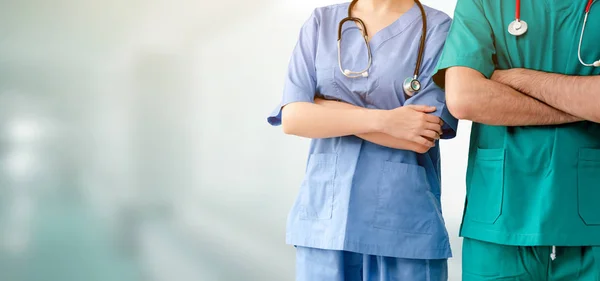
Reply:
x=422, y=108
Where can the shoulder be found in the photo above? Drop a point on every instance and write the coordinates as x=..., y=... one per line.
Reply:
x=329, y=12
x=331, y=9
x=437, y=20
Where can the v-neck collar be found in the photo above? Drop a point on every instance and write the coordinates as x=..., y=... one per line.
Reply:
x=395, y=28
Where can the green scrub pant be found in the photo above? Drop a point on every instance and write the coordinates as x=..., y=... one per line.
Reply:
x=484, y=261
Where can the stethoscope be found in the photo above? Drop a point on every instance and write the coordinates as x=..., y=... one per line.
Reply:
x=518, y=27
x=412, y=84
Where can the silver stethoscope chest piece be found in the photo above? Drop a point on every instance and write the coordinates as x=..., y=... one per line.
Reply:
x=411, y=85
x=517, y=27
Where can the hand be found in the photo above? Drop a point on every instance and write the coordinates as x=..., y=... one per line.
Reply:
x=413, y=123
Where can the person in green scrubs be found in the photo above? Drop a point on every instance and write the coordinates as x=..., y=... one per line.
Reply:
x=533, y=180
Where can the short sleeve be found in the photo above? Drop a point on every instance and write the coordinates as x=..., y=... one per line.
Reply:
x=470, y=42
x=431, y=94
x=300, y=81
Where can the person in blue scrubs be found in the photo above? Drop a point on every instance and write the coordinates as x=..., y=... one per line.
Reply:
x=369, y=205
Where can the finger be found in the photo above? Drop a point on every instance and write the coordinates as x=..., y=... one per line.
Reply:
x=434, y=127
x=423, y=141
x=431, y=134
x=431, y=140
x=432, y=119
x=422, y=108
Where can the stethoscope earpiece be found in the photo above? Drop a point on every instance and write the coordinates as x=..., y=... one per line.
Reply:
x=597, y=64
x=348, y=73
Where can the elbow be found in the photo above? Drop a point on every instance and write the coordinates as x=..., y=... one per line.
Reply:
x=596, y=117
x=296, y=120
x=288, y=128
x=458, y=105
x=461, y=92
x=288, y=121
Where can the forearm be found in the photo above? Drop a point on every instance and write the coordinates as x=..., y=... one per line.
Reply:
x=473, y=97
x=576, y=95
x=376, y=137
x=392, y=142
x=317, y=121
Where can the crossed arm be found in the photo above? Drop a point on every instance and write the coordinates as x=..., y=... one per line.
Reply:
x=575, y=95
x=514, y=99
x=377, y=137
x=408, y=127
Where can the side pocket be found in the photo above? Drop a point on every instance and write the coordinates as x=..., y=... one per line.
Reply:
x=403, y=203
x=488, y=261
x=316, y=196
x=588, y=185
x=486, y=189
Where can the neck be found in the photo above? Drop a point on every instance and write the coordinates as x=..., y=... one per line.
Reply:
x=385, y=5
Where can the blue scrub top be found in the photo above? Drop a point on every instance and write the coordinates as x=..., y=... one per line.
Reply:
x=356, y=195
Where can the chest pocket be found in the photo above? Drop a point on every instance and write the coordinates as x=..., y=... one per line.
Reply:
x=326, y=85
x=333, y=84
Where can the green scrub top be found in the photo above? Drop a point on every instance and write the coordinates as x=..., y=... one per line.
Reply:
x=535, y=185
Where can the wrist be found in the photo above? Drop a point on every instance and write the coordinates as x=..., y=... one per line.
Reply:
x=378, y=120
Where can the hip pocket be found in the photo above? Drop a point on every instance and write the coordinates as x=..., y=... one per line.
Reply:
x=316, y=192
x=588, y=185
x=489, y=261
x=596, y=253
x=403, y=202
x=486, y=187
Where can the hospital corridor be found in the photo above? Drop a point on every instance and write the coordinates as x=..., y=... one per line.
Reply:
x=134, y=147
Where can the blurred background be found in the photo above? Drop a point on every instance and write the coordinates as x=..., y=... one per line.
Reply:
x=134, y=143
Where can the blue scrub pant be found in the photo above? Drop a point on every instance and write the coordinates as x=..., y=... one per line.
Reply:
x=327, y=265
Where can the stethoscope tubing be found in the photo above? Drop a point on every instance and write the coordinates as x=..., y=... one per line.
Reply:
x=356, y=74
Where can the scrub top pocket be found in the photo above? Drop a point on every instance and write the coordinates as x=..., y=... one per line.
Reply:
x=484, y=197
x=403, y=200
x=333, y=84
x=316, y=192
x=588, y=174
x=326, y=84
